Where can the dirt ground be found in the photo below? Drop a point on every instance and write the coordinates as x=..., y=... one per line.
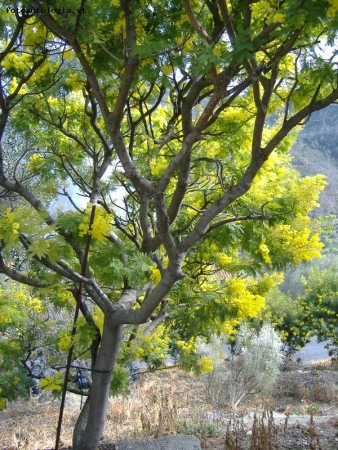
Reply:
x=302, y=413
x=274, y=432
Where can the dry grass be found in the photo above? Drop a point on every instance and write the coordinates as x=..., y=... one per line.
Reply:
x=327, y=362
x=31, y=425
x=161, y=403
x=313, y=384
x=156, y=406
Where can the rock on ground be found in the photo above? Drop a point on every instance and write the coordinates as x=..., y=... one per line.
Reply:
x=179, y=442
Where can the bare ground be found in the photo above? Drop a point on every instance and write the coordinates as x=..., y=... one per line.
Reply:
x=301, y=414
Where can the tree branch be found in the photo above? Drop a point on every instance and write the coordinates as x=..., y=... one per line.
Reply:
x=17, y=276
x=41, y=209
x=197, y=26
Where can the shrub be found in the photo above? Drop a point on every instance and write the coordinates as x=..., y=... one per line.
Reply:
x=252, y=369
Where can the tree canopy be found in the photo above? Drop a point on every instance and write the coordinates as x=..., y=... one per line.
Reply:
x=144, y=158
x=307, y=306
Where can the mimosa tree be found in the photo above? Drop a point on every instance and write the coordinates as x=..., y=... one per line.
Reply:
x=165, y=126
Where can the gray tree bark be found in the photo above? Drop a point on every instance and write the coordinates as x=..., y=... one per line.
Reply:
x=99, y=393
x=81, y=423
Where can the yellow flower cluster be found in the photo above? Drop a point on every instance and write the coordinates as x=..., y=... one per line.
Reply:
x=140, y=25
x=236, y=115
x=41, y=72
x=5, y=317
x=248, y=303
x=155, y=274
x=265, y=252
x=333, y=9
x=306, y=185
x=277, y=17
x=224, y=260
x=120, y=25
x=35, y=163
x=9, y=227
x=65, y=342
x=34, y=304
x=22, y=300
x=101, y=226
x=13, y=85
x=158, y=165
x=15, y=61
x=237, y=286
x=160, y=117
x=298, y=240
x=187, y=347
x=3, y=403
x=206, y=364
x=52, y=383
x=35, y=34
x=261, y=9
x=167, y=70
x=265, y=10
x=155, y=345
x=74, y=82
x=287, y=65
x=189, y=45
x=269, y=281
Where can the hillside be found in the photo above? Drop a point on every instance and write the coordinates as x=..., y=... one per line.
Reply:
x=316, y=151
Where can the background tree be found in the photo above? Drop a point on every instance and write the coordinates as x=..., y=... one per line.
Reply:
x=172, y=121
x=305, y=304
x=285, y=314
x=319, y=304
x=22, y=327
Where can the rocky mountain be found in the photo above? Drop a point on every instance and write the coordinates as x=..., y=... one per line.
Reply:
x=316, y=151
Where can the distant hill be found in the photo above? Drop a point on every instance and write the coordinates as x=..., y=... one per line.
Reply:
x=316, y=151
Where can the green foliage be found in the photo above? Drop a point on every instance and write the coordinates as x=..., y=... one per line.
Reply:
x=154, y=348
x=305, y=305
x=320, y=303
x=14, y=384
x=52, y=383
x=285, y=314
x=120, y=381
x=175, y=120
x=25, y=332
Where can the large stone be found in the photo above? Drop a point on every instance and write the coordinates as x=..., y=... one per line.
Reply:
x=179, y=442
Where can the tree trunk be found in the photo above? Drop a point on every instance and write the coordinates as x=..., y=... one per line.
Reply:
x=99, y=392
x=81, y=423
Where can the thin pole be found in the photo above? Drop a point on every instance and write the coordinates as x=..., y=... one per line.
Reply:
x=76, y=315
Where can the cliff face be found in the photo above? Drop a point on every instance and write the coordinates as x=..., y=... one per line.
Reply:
x=316, y=151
